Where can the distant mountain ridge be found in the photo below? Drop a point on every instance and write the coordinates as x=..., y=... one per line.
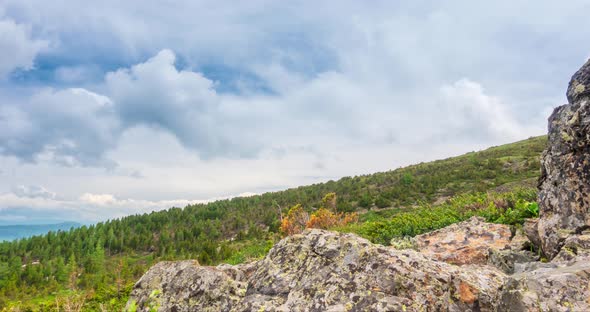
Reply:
x=12, y=232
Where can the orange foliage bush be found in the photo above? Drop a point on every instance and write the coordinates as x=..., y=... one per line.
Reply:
x=324, y=218
x=295, y=221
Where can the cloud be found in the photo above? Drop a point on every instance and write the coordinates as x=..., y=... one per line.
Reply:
x=184, y=103
x=20, y=49
x=33, y=191
x=217, y=99
x=77, y=74
x=77, y=127
x=29, y=204
x=72, y=127
x=466, y=110
x=88, y=208
x=98, y=199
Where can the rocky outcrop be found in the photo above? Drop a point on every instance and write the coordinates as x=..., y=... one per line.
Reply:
x=550, y=287
x=173, y=286
x=321, y=271
x=467, y=242
x=564, y=186
x=327, y=271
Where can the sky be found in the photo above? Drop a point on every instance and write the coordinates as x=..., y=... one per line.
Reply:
x=110, y=108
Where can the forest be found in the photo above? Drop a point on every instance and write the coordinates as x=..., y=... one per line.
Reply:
x=95, y=266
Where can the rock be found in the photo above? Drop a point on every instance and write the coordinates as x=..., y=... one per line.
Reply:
x=186, y=286
x=467, y=242
x=520, y=250
x=327, y=271
x=564, y=185
x=405, y=242
x=506, y=260
x=531, y=266
x=474, y=242
x=574, y=247
x=322, y=271
x=519, y=241
x=562, y=287
x=531, y=230
x=579, y=84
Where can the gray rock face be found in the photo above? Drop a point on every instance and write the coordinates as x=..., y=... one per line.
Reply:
x=321, y=271
x=551, y=287
x=574, y=247
x=185, y=286
x=564, y=186
x=327, y=271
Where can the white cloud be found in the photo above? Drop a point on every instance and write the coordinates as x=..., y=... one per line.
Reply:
x=71, y=127
x=156, y=94
x=322, y=91
x=98, y=199
x=19, y=48
x=467, y=110
x=37, y=203
x=77, y=74
x=33, y=191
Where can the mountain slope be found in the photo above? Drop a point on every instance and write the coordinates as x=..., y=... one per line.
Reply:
x=99, y=263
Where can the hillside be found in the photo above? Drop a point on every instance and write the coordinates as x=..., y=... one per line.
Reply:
x=98, y=264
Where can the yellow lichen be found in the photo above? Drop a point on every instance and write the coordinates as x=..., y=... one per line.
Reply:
x=565, y=136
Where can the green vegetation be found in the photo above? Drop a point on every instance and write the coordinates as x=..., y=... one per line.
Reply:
x=96, y=266
x=508, y=208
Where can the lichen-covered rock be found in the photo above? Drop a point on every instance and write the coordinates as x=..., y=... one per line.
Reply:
x=574, y=247
x=520, y=250
x=506, y=260
x=187, y=286
x=467, y=242
x=564, y=185
x=579, y=85
x=552, y=287
x=405, y=242
x=322, y=271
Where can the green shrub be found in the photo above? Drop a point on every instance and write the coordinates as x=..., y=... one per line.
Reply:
x=508, y=208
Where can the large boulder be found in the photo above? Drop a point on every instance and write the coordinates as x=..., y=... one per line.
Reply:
x=187, y=286
x=327, y=271
x=548, y=287
x=467, y=242
x=575, y=247
x=322, y=271
x=564, y=185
